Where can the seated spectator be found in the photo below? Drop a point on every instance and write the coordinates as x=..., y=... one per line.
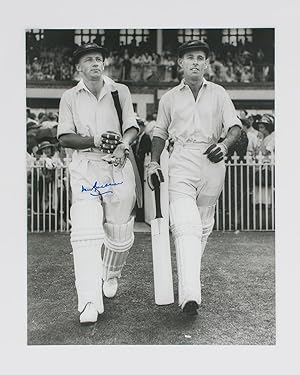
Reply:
x=50, y=121
x=32, y=128
x=42, y=117
x=229, y=75
x=247, y=75
x=168, y=63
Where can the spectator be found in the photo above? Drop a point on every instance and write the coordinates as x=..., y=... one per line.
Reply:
x=141, y=147
x=50, y=121
x=168, y=63
x=252, y=120
x=252, y=137
x=247, y=75
x=127, y=66
x=147, y=61
x=266, y=126
x=42, y=117
x=150, y=124
x=263, y=178
x=229, y=75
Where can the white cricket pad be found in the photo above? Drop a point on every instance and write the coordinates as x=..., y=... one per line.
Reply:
x=118, y=240
x=186, y=228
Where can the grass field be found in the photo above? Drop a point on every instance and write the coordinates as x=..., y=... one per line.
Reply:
x=238, y=296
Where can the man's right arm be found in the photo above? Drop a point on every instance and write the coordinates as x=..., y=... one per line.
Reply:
x=160, y=132
x=76, y=141
x=158, y=144
x=66, y=132
x=160, y=135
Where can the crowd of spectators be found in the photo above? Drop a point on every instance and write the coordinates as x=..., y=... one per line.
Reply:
x=228, y=63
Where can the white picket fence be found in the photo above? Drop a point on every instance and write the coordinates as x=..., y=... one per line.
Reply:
x=246, y=203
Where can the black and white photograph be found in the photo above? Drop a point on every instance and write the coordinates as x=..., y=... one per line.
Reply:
x=148, y=225
x=151, y=186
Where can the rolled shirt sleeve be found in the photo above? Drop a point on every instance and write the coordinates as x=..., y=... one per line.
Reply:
x=229, y=116
x=163, y=120
x=66, y=122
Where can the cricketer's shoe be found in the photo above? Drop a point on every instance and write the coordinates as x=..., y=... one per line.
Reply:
x=89, y=314
x=190, y=308
x=110, y=287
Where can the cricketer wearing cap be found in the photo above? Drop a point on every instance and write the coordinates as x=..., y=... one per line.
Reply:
x=193, y=114
x=103, y=183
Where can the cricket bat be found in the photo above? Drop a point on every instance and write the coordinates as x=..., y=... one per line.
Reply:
x=161, y=253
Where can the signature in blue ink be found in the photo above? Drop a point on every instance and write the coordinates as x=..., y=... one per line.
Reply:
x=95, y=188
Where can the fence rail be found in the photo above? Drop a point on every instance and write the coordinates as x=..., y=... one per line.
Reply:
x=246, y=203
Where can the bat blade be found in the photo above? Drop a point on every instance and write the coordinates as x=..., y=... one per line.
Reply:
x=162, y=267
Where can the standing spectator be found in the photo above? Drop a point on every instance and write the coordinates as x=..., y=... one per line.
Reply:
x=252, y=137
x=263, y=179
x=127, y=66
x=141, y=147
x=252, y=120
x=266, y=127
x=150, y=125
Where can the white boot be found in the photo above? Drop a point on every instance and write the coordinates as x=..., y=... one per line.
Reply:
x=89, y=315
x=110, y=287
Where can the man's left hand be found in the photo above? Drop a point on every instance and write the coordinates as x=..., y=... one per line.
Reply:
x=118, y=157
x=216, y=152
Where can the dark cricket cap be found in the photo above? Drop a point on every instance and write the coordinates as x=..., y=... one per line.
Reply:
x=193, y=45
x=87, y=48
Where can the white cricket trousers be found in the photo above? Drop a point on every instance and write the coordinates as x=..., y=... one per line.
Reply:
x=99, y=219
x=195, y=184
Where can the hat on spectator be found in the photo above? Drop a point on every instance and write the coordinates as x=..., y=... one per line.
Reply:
x=266, y=119
x=87, y=48
x=43, y=145
x=193, y=45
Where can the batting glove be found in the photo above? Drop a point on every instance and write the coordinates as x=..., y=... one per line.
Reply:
x=216, y=152
x=154, y=170
x=108, y=141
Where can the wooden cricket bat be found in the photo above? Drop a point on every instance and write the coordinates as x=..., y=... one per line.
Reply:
x=161, y=253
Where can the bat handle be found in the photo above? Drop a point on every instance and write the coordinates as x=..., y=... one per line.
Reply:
x=156, y=184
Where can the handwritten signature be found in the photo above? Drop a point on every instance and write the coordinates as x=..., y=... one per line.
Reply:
x=95, y=188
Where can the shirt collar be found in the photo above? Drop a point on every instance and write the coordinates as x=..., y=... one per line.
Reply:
x=109, y=84
x=184, y=84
